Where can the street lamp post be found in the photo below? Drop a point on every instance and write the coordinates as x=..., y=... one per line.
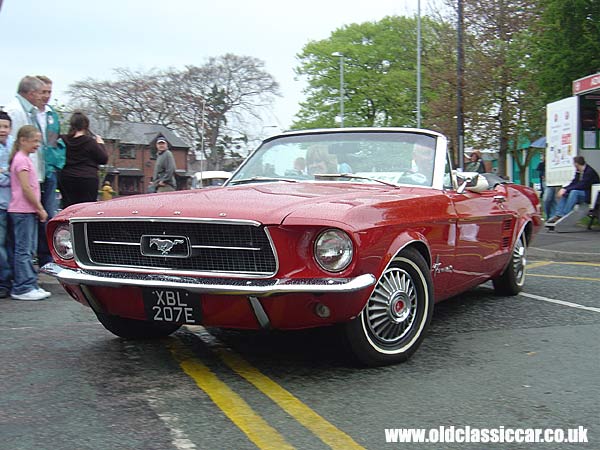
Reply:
x=419, y=64
x=460, y=60
x=341, y=56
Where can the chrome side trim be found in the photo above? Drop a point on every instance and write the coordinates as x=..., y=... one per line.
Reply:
x=218, y=286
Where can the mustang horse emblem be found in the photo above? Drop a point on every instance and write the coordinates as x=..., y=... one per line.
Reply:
x=165, y=245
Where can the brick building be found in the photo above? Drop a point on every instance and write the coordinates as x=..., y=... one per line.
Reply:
x=132, y=153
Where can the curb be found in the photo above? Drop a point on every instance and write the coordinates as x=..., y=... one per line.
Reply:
x=559, y=255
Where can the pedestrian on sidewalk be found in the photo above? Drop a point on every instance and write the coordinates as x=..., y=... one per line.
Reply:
x=25, y=210
x=6, y=142
x=578, y=190
x=163, y=179
x=53, y=153
x=107, y=192
x=78, y=180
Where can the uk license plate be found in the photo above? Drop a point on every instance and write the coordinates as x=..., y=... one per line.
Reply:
x=172, y=305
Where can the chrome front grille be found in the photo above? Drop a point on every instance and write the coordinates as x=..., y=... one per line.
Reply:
x=214, y=247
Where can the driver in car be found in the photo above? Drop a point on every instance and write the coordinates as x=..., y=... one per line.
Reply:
x=422, y=164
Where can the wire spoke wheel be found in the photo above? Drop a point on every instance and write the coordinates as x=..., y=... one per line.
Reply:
x=391, y=310
x=519, y=260
x=512, y=280
x=393, y=322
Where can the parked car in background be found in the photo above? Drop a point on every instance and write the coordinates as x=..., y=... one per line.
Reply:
x=364, y=229
x=209, y=178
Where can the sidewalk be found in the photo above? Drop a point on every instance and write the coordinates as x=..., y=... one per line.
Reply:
x=581, y=246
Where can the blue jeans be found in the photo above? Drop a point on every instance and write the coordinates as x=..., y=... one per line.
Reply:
x=567, y=202
x=549, y=199
x=50, y=204
x=5, y=263
x=25, y=276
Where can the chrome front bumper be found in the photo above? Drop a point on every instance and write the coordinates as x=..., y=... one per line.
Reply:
x=218, y=286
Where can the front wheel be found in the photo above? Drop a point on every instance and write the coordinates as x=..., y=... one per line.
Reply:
x=513, y=278
x=136, y=329
x=393, y=323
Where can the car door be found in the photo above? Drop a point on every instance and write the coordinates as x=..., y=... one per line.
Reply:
x=482, y=235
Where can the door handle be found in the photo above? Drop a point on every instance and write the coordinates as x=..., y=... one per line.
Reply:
x=499, y=198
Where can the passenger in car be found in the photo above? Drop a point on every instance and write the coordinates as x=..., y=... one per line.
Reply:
x=299, y=168
x=319, y=160
x=423, y=159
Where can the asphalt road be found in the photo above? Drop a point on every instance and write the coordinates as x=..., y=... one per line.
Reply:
x=527, y=361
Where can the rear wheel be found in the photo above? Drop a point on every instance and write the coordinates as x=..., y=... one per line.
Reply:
x=393, y=323
x=513, y=278
x=136, y=329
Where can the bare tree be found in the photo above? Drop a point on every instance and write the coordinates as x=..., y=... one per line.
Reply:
x=224, y=94
x=210, y=105
x=501, y=101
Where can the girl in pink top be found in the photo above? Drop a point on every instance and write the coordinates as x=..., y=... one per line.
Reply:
x=24, y=210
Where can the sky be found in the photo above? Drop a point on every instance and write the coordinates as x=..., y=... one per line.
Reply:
x=71, y=40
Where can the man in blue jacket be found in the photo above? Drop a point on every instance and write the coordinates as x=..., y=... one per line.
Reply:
x=577, y=191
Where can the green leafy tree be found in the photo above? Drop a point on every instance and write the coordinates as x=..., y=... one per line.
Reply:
x=568, y=45
x=379, y=74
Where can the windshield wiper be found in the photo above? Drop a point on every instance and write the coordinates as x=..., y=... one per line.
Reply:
x=259, y=179
x=349, y=175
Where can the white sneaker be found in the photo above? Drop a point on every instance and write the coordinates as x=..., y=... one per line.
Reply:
x=33, y=294
x=45, y=292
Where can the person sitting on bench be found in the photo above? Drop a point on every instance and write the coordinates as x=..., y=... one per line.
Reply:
x=578, y=190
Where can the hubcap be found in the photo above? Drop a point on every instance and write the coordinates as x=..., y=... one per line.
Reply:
x=392, y=307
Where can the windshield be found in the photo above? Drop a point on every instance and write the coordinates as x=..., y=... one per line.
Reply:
x=393, y=157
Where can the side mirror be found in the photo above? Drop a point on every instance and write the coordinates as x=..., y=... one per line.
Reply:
x=466, y=180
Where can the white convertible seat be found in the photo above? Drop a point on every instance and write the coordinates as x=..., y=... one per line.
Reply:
x=482, y=184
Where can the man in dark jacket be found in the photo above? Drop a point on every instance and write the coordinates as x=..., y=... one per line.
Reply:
x=577, y=191
x=163, y=179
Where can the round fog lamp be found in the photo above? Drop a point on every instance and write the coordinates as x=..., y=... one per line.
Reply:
x=333, y=250
x=61, y=241
x=322, y=311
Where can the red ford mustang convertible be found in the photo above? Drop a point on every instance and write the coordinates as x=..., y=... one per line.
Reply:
x=363, y=228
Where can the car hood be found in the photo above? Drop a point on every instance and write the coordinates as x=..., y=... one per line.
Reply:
x=267, y=203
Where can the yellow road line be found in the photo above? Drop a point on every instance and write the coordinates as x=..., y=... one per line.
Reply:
x=235, y=407
x=538, y=264
x=328, y=433
x=564, y=263
x=575, y=263
x=562, y=276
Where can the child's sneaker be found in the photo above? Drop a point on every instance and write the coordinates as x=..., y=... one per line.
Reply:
x=33, y=294
x=45, y=292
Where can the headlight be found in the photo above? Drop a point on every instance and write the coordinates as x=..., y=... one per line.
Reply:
x=333, y=250
x=61, y=240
